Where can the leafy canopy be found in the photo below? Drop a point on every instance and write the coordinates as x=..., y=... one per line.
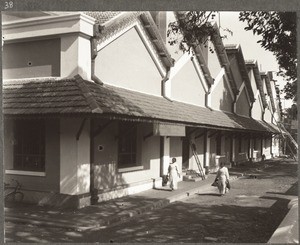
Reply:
x=277, y=31
x=278, y=35
x=191, y=29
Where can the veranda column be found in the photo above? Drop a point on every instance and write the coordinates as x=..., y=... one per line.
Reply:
x=251, y=149
x=74, y=157
x=262, y=148
x=166, y=157
x=271, y=145
x=207, y=152
x=233, y=150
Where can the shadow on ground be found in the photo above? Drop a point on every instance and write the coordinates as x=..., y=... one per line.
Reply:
x=292, y=191
x=208, y=194
x=179, y=222
x=182, y=222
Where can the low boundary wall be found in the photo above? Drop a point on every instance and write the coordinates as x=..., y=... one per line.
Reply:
x=288, y=231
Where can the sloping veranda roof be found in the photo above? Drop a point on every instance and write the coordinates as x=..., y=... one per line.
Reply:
x=75, y=96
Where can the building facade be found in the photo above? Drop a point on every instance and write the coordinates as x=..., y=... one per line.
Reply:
x=96, y=103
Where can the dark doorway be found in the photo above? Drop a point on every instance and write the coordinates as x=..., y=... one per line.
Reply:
x=185, y=154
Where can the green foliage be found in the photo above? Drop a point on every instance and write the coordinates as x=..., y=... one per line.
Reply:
x=278, y=32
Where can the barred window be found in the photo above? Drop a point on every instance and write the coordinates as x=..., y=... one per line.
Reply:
x=29, y=145
x=127, y=155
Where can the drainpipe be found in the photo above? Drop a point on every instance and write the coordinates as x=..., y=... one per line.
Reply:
x=93, y=190
x=234, y=104
x=263, y=115
x=94, y=53
x=206, y=99
x=250, y=109
x=93, y=76
x=163, y=84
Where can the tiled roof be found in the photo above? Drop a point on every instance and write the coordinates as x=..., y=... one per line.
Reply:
x=272, y=128
x=43, y=96
x=102, y=17
x=77, y=96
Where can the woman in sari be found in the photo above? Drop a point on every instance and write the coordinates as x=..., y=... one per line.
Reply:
x=223, y=179
x=173, y=174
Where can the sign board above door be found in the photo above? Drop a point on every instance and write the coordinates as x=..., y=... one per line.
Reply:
x=162, y=129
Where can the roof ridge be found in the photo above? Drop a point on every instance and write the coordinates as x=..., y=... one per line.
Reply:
x=87, y=94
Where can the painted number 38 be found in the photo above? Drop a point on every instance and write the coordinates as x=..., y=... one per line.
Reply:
x=9, y=5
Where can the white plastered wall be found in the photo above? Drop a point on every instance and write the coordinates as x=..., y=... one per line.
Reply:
x=74, y=157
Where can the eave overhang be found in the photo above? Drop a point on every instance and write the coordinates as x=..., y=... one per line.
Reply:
x=237, y=51
x=252, y=64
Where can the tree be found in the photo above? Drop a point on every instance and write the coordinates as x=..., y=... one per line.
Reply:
x=278, y=35
x=292, y=112
x=192, y=28
x=277, y=29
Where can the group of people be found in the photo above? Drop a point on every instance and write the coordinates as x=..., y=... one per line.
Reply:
x=222, y=177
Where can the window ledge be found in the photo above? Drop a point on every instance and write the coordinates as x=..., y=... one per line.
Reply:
x=21, y=172
x=135, y=168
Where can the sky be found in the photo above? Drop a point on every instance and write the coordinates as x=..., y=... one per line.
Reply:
x=251, y=49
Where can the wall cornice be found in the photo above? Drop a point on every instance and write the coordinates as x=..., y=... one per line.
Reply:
x=48, y=26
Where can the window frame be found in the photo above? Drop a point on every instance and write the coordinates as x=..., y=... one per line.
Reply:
x=29, y=145
x=127, y=132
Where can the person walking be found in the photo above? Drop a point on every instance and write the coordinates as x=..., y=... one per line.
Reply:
x=173, y=174
x=223, y=179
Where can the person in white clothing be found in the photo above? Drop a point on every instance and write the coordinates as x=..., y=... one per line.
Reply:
x=173, y=174
x=223, y=179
